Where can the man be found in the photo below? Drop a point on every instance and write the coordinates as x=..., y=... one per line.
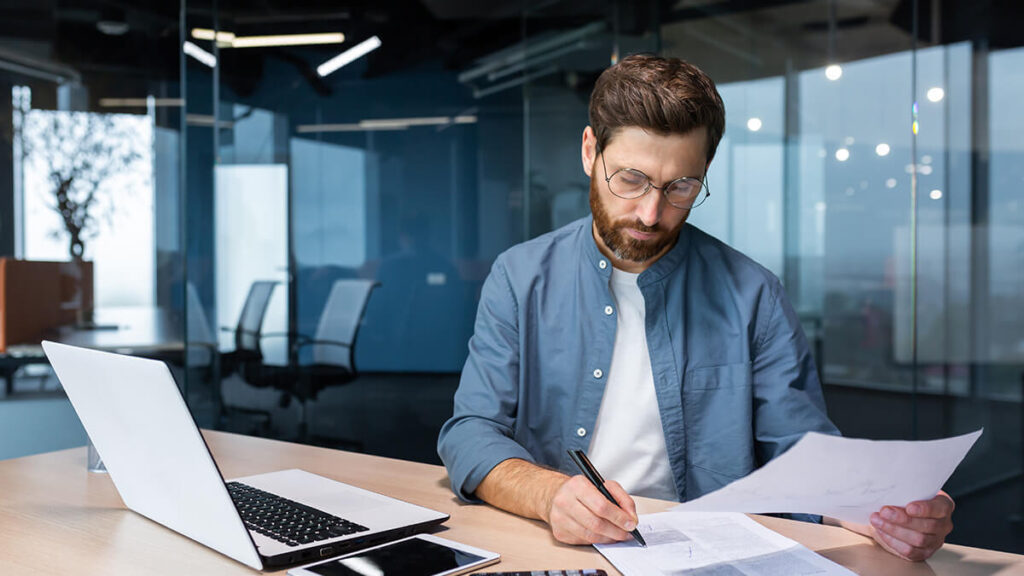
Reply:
x=676, y=362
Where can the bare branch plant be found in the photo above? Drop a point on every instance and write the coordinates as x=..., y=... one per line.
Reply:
x=81, y=153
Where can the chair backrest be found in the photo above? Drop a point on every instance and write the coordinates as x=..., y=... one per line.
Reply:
x=250, y=322
x=339, y=322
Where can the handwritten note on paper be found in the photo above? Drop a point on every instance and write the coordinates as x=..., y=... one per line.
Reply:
x=712, y=543
x=845, y=478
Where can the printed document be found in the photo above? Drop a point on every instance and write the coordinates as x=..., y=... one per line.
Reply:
x=845, y=478
x=712, y=544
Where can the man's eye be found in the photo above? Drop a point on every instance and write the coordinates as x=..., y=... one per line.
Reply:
x=630, y=179
x=684, y=188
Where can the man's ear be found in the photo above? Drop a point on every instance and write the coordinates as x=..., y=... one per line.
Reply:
x=588, y=150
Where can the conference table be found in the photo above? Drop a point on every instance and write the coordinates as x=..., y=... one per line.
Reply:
x=139, y=330
x=57, y=518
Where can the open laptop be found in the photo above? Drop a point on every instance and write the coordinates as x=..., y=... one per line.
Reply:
x=160, y=464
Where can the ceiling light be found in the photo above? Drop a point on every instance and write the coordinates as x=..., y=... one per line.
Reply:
x=112, y=28
x=200, y=54
x=222, y=36
x=834, y=72
x=936, y=94
x=348, y=56
x=139, y=102
x=890, y=183
x=404, y=122
x=754, y=124
x=842, y=154
x=387, y=124
x=287, y=40
x=935, y=194
x=882, y=149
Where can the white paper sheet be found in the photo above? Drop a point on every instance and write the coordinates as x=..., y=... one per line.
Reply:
x=845, y=478
x=713, y=543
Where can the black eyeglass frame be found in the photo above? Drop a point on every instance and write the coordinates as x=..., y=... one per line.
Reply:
x=698, y=200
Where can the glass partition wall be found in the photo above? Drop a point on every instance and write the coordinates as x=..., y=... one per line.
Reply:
x=864, y=164
x=90, y=185
x=316, y=231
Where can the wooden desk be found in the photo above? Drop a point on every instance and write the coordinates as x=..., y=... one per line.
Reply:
x=56, y=518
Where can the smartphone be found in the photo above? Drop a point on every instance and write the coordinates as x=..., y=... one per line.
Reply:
x=422, y=555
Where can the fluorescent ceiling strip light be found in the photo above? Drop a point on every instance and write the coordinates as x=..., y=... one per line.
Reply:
x=206, y=120
x=348, y=56
x=139, y=102
x=287, y=40
x=207, y=34
x=387, y=124
x=314, y=128
x=200, y=54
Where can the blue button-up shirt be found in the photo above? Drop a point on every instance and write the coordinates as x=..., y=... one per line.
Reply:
x=736, y=384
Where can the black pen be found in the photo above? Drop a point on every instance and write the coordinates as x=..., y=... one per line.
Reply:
x=579, y=457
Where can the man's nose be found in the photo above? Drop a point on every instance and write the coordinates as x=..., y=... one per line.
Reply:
x=650, y=206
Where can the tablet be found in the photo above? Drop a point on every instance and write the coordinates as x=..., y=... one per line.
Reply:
x=422, y=555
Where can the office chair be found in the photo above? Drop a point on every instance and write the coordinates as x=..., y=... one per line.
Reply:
x=248, y=331
x=332, y=351
x=247, y=355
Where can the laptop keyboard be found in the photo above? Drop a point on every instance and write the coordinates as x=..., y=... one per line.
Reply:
x=285, y=520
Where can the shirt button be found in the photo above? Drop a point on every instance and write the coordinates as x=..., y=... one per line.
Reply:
x=581, y=432
x=602, y=264
x=608, y=310
x=598, y=373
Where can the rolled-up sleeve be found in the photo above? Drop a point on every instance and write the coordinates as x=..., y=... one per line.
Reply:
x=479, y=435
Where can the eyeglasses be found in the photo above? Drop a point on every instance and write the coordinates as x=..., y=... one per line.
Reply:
x=629, y=183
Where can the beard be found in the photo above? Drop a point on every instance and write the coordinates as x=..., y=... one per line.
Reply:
x=615, y=237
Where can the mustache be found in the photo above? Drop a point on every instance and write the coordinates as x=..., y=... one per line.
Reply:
x=639, y=226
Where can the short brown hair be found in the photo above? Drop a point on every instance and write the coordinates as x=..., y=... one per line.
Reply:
x=662, y=95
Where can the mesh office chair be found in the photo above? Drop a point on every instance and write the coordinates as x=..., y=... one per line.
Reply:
x=248, y=331
x=248, y=355
x=332, y=350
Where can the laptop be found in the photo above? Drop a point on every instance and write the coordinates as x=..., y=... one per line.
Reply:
x=163, y=469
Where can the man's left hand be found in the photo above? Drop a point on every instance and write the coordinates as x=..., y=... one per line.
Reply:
x=915, y=531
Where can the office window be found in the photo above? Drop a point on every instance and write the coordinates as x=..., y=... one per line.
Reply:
x=101, y=165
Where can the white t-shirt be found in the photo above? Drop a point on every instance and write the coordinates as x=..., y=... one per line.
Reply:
x=628, y=443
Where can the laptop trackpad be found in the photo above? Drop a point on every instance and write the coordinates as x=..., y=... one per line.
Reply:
x=322, y=493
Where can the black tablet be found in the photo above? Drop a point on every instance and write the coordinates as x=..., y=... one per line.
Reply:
x=422, y=555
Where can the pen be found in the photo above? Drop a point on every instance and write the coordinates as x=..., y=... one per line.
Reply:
x=583, y=463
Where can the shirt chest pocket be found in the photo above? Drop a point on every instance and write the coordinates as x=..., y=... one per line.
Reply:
x=718, y=416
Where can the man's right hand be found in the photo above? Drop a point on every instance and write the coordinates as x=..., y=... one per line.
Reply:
x=573, y=507
x=580, y=514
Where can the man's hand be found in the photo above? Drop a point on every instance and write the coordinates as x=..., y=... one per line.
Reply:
x=580, y=514
x=915, y=531
x=573, y=507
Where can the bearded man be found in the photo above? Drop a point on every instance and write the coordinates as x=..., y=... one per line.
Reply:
x=674, y=361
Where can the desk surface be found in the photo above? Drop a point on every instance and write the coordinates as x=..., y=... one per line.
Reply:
x=56, y=518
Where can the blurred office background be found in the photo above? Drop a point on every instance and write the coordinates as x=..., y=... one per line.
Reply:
x=245, y=210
